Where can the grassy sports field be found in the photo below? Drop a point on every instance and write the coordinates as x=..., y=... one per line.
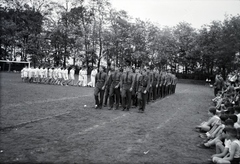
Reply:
x=49, y=124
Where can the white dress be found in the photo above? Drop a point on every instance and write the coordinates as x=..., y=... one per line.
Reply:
x=80, y=75
x=72, y=72
x=84, y=73
x=93, y=75
x=25, y=72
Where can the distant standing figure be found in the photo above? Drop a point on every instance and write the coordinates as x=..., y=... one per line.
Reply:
x=101, y=79
x=80, y=77
x=84, y=73
x=72, y=78
x=93, y=75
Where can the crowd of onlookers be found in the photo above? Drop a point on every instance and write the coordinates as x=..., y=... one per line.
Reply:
x=222, y=130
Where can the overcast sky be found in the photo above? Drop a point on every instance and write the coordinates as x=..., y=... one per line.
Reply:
x=171, y=12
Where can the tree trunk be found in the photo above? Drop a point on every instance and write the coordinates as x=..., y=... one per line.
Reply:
x=224, y=72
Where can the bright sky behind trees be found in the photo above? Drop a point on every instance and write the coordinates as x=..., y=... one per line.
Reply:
x=171, y=12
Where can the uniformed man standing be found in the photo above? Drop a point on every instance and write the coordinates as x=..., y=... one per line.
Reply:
x=100, y=79
x=174, y=83
x=143, y=88
x=155, y=83
x=150, y=74
x=135, y=88
x=126, y=86
x=114, y=81
x=168, y=83
x=107, y=87
x=163, y=80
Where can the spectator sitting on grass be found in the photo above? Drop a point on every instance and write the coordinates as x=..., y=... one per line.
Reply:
x=237, y=113
x=218, y=98
x=235, y=119
x=234, y=149
x=214, y=118
x=218, y=136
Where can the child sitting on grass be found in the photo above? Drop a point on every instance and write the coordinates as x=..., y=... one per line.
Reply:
x=234, y=149
x=214, y=118
x=237, y=113
x=217, y=136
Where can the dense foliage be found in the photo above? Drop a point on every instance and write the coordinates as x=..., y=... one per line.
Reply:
x=49, y=33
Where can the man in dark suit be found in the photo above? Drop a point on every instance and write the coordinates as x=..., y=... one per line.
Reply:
x=108, y=71
x=135, y=88
x=155, y=83
x=143, y=88
x=114, y=81
x=126, y=86
x=150, y=74
x=100, y=80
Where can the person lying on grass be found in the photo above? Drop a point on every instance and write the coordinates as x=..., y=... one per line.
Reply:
x=233, y=155
x=214, y=118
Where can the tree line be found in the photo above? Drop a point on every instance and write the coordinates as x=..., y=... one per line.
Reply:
x=49, y=33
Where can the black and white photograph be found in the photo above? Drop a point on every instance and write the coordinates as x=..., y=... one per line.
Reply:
x=120, y=82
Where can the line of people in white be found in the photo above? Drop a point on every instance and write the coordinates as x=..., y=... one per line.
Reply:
x=58, y=76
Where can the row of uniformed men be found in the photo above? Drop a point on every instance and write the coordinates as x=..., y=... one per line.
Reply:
x=135, y=87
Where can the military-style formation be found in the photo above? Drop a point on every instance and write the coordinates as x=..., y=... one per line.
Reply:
x=131, y=87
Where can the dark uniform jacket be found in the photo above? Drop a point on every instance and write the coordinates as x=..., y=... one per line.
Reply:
x=114, y=79
x=101, y=79
x=127, y=81
x=150, y=74
x=155, y=79
x=136, y=79
x=168, y=79
x=144, y=83
x=162, y=79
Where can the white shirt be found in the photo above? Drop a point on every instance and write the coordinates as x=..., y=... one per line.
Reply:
x=94, y=73
x=45, y=72
x=37, y=72
x=41, y=72
x=59, y=73
x=25, y=72
x=237, y=151
x=80, y=76
x=65, y=74
x=50, y=73
x=72, y=72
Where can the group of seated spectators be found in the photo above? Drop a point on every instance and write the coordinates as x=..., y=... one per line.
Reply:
x=222, y=130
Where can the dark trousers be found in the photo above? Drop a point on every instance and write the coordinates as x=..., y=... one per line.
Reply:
x=149, y=95
x=134, y=99
x=106, y=94
x=174, y=88
x=126, y=98
x=114, y=93
x=96, y=92
x=160, y=91
x=142, y=101
x=167, y=90
x=163, y=91
x=154, y=91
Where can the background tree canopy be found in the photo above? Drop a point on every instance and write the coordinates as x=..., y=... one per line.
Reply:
x=48, y=33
